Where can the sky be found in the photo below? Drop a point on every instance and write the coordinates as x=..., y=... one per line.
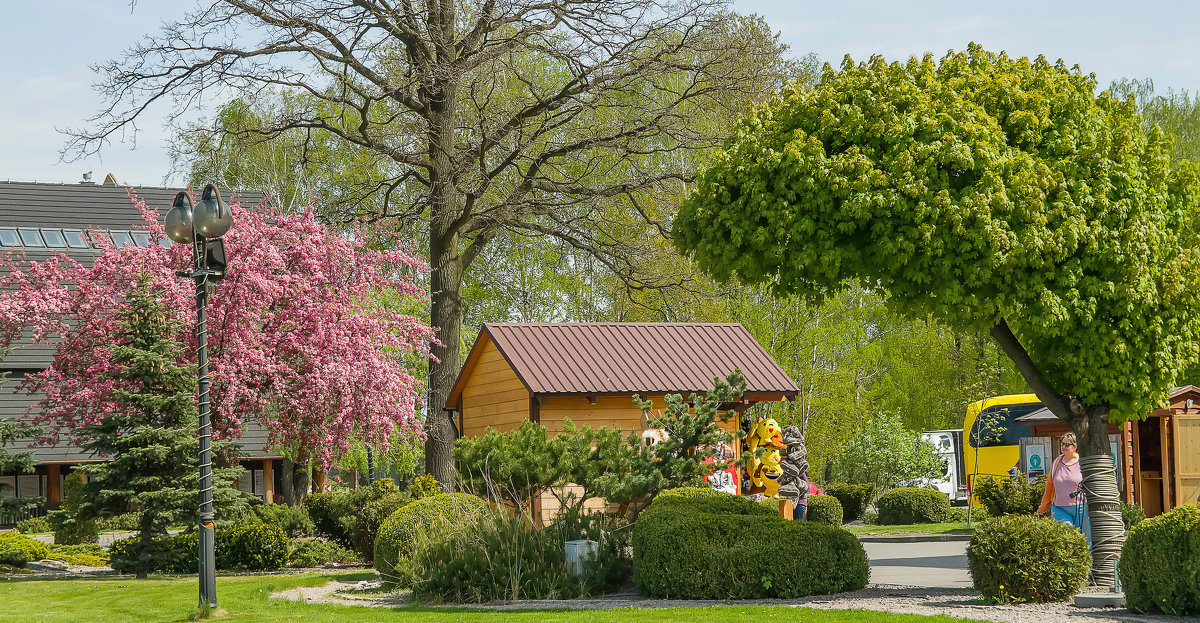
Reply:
x=48, y=47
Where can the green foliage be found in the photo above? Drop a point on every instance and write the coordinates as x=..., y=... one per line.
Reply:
x=17, y=550
x=1131, y=515
x=353, y=517
x=424, y=486
x=513, y=467
x=680, y=539
x=506, y=557
x=1009, y=496
x=982, y=190
x=885, y=453
x=854, y=498
x=90, y=554
x=293, y=520
x=70, y=528
x=124, y=521
x=959, y=514
x=1176, y=113
x=1024, y=558
x=317, y=552
x=910, y=505
x=825, y=509
x=399, y=532
x=256, y=547
x=33, y=525
x=1160, y=563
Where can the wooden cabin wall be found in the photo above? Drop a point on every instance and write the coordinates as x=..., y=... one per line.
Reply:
x=493, y=396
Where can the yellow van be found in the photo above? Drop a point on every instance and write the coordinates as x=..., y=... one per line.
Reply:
x=991, y=435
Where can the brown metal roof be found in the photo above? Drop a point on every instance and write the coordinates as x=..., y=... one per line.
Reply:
x=629, y=357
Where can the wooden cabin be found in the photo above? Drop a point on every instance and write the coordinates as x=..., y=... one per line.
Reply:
x=1158, y=457
x=589, y=372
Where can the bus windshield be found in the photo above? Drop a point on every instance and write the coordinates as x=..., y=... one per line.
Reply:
x=998, y=426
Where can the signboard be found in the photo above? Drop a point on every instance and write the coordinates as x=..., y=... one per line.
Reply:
x=1035, y=455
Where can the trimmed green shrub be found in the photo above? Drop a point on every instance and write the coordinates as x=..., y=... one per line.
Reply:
x=19, y=550
x=177, y=553
x=353, y=517
x=257, y=547
x=1131, y=515
x=511, y=557
x=911, y=505
x=319, y=552
x=89, y=554
x=293, y=520
x=324, y=509
x=960, y=514
x=424, y=486
x=1009, y=496
x=34, y=525
x=399, y=532
x=825, y=509
x=126, y=521
x=1160, y=563
x=853, y=498
x=683, y=536
x=1027, y=558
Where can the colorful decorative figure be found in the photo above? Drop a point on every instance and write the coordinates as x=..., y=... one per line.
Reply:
x=793, y=484
x=762, y=469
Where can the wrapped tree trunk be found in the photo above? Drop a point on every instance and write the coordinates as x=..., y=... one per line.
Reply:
x=1100, y=487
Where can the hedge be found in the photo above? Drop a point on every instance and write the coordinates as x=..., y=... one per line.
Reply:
x=396, y=536
x=1009, y=496
x=854, y=498
x=911, y=505
x=1160, y=563
x=19, y=550
x=1027, y=558
x=686, y=535
x=256, y=547
x=825, y=509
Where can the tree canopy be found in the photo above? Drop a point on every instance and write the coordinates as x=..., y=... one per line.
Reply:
x=990, y=192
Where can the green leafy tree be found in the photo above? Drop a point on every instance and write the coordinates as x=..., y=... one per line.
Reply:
x=993, y=194
x=884, y=453
x=1176, y=113
x=150, y=445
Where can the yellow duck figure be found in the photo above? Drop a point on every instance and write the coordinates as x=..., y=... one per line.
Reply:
x=764, y=470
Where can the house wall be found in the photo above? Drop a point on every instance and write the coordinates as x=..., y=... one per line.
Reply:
x=493, y=396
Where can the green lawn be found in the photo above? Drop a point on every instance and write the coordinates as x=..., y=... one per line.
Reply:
x=245, y=599
x=958, y=527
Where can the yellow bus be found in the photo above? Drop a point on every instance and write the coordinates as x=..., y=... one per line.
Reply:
x=991, y=435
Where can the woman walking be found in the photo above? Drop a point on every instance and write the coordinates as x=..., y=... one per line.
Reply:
x=1064, y=499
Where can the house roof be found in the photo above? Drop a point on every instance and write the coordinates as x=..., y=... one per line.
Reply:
x=1045, y=415
x=628, y=357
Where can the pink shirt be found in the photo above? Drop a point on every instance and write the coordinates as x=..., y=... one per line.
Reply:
x=1067, y=479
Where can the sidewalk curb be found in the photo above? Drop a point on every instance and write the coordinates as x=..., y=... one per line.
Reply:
x=912, y=538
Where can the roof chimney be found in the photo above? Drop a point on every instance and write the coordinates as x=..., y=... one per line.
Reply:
x=87, y=179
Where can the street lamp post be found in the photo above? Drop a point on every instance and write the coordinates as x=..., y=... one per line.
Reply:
x=202, y=227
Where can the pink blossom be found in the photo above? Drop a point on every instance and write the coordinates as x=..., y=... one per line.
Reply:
x=299, y=336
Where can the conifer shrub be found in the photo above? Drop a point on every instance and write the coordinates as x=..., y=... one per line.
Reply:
x=318, y=552
x=910, y=505
x=353, y=517
x=424, y=486
x=1016, y=558
x=397, y=536
x=685, y=534
x=69, y=525
x=34, y=525
x=18, y=550
x=293, y=520
x=854, y=498
x=1160, y=563
x=256, y=547
x=824, y=509
x=90, y=554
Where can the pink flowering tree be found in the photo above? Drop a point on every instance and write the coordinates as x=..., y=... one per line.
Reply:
x=307, y=334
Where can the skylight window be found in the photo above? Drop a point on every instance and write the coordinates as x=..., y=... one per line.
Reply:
x=9, y=238
x=54, y=238
x=122, y=239
x=31, y=237
x=75, y=239
x=141, y=238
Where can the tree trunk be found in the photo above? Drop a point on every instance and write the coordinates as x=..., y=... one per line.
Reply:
x=446, y=313
x=1100, y=487
x=294, y=482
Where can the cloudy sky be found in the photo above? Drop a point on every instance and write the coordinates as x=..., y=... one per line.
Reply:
x=48, y=47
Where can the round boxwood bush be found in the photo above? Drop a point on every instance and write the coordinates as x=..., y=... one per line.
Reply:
x=18, y=550
x=911, y=505
x=1027, y=558
x=257, y=547
x=685, y=534
x=1160, y=563
x=853, y=498
x=398, y=533
x=825, y=509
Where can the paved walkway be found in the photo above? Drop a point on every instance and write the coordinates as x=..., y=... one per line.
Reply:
x=930, y=565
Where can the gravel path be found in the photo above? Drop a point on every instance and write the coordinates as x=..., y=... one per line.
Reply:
x=961, y=603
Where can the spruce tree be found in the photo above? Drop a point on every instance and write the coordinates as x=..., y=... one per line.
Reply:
x=151, y=443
